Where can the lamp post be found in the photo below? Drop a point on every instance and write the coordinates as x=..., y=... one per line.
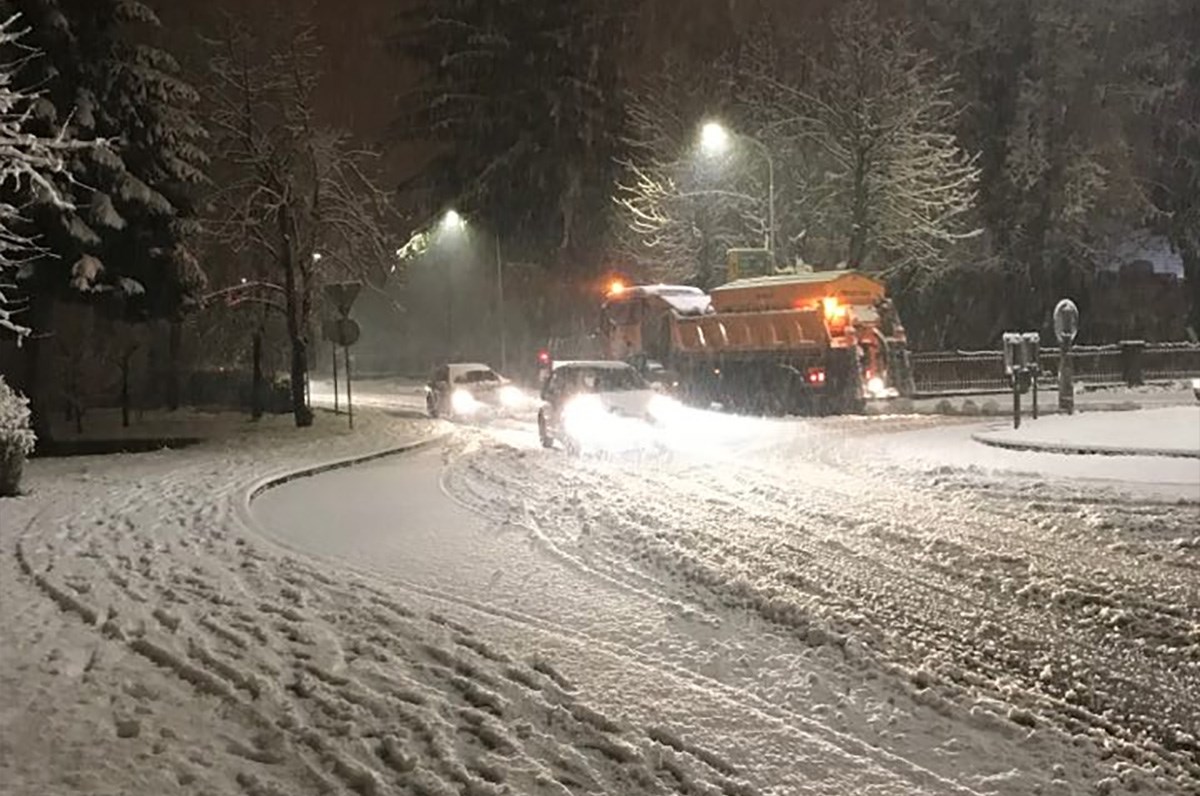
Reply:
x=453, y=222
x=500, y=307
x=714, y=140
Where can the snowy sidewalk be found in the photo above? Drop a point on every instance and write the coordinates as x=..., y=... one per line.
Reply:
x=1173, y=432
x=153, y=643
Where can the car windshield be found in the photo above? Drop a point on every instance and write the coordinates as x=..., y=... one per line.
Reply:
x=610, y=380
x=476, y=377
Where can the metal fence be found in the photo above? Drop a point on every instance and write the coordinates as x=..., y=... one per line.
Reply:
x=1132, y=363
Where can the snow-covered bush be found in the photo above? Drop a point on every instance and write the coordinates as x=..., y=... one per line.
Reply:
x=16, y=438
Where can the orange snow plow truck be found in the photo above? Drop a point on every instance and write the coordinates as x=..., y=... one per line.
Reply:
x=821, y=342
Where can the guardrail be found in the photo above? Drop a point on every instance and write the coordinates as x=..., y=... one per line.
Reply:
x=1130, y=362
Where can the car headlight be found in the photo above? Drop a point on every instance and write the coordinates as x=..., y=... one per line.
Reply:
x=1196, y=384
x=463, y=402
x=512, y=397
x=583, y=413
x=662, y=408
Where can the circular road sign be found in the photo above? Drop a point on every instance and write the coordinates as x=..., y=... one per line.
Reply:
x=1066, y=321
x=342, y=331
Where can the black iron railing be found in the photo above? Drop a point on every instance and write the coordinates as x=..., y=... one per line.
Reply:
x=1130, y=363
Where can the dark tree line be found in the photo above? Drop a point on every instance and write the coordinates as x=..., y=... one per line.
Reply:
x=986, y=156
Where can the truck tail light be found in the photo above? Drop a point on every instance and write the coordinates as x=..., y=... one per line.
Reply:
x=816, y=376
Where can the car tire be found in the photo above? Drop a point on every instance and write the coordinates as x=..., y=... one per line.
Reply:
x=573, y=447
x=543, y=434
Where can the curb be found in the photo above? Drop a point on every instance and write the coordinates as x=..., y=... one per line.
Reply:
x=1083, y=450
x=1043, y=411
x=267, y=483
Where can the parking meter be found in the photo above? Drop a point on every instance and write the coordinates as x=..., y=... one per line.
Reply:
x=1012, y=353
x=1020, y=356
x=1022, y=364
x=1066, y=327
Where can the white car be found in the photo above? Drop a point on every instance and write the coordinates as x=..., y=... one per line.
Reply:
x=600, y=405
x=468, y=390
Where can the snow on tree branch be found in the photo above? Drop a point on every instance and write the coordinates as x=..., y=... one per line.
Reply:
x=882, y=181
x=29, y=167
x=677, y=212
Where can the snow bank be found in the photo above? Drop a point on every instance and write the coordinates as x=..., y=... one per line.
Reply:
x=1152, y=432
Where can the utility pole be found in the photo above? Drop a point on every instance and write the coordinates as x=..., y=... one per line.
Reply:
x=500, y=307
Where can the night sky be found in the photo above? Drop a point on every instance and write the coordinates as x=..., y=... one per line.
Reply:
x=363, y=82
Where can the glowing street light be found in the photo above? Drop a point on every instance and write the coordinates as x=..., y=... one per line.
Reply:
x=714, y=140
x=452, y=221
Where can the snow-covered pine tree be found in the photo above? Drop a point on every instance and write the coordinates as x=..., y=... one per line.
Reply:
x=103, y=77
x=521, y=101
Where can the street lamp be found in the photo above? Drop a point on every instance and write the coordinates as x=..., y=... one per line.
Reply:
x=453, y=221
x=714, y=140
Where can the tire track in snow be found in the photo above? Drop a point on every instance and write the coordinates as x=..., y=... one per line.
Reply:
x=740, y=696
x=1174, y=752
x=309, y=679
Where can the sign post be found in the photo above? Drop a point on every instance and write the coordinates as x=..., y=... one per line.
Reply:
x=333, y=351
x=343, y=331
x=349, y=398
x=1066, y=326
x=1032, y=343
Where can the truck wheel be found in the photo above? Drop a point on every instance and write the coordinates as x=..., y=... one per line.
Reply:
x=848, y=400
x=844, y=388
x=431, y=405
x=543, y=434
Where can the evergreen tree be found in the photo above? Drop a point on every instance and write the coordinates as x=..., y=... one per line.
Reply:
x=131, y=212
x=521, y=100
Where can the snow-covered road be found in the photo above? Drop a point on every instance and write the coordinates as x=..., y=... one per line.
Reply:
x=854, y=605
x=846, y=606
